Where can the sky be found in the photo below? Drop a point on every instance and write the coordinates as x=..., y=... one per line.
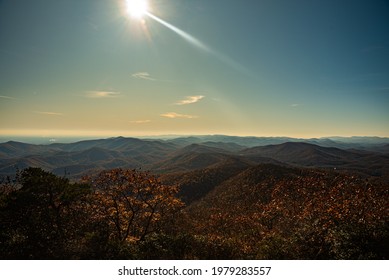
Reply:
x=297, y=68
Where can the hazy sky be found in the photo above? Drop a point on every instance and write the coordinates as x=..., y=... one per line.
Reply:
x=300, y=68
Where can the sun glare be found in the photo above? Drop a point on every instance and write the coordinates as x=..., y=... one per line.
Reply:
x=137, y=8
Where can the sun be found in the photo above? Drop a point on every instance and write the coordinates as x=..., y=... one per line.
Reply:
x=137, y=8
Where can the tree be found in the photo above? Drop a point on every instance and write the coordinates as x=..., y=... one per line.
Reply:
x=42, y=217
x=133, y=204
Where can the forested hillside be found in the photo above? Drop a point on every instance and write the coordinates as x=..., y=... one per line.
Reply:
x=229, y=211
x=178, y=155
x=275, y=212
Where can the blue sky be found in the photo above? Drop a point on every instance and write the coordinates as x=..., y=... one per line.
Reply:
x=257, y=67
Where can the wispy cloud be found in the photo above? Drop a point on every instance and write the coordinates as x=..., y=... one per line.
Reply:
x=48, y=113
x=7, y=97
x=102, y=94
x=172, y=115
x=143, y=75
x=140, y=121
x=295, y=105
x=190, y=100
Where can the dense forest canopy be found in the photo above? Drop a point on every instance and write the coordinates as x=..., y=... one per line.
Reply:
x=262, y=212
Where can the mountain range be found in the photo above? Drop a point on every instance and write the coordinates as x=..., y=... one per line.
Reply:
x=366, y=155
x=244, y=197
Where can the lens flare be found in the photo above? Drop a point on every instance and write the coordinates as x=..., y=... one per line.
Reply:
x=137, y=8
x=197, y=43
x=180, y=32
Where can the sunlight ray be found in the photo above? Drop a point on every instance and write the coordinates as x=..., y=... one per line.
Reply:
x=197, y=43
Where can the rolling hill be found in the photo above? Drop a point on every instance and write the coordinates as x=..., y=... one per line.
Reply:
x=193, y=153
x=284, y=200
x=309, y=155
x=282, y=212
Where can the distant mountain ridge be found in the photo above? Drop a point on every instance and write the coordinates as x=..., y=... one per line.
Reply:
x=194, y=153
x=303, y=153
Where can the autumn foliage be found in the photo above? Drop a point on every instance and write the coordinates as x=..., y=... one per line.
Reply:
x=46, y=217
x=261, y=212
x=133, y=204
x=276, y=212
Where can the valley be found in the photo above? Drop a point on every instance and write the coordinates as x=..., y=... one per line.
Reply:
x=184, y=154
x=209, y=197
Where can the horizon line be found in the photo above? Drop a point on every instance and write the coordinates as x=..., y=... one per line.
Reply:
x=11, y=137
x=52, y=133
